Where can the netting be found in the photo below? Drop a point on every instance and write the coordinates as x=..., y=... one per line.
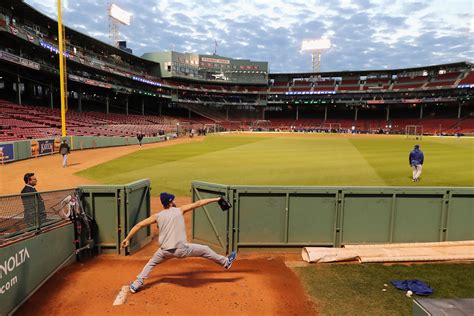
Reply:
x=31, y=211
x=414, y=131
x=214, y=128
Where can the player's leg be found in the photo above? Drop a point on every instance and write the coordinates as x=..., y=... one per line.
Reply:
x=413, y=177
x=196, y=250
x=418, y=171
x=159, y=257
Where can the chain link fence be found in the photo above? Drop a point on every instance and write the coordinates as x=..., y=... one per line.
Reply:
x=30, y=212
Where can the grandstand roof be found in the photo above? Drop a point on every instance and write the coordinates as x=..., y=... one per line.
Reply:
x=29, y=13
x=348, y=73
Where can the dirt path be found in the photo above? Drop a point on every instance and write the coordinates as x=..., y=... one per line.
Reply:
x=51, y=175
x=257, y=284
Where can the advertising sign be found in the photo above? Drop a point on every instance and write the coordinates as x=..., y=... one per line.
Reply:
x=6, y=153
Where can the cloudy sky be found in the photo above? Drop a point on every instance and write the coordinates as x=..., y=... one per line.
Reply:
x=365, y=34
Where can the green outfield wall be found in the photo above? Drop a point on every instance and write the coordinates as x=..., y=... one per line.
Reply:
x=295, y=217
x=25, y=149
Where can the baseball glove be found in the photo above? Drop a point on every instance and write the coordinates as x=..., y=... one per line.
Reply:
x=224, y=204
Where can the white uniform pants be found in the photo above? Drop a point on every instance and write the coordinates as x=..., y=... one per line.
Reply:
x=64, y=161
x=416, y=171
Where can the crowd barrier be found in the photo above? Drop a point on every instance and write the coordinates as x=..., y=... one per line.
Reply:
x=25, y=149
x=42, y=232
x=294, y=217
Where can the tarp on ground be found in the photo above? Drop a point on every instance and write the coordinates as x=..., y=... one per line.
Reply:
x=435, y=251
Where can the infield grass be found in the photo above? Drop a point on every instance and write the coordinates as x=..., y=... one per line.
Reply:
x=354, y=289
x=292, y=159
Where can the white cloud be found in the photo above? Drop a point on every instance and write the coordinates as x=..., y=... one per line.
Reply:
x=364, y=34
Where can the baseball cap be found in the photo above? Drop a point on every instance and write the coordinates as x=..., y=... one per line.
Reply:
x=166, y=198
x=417, y=146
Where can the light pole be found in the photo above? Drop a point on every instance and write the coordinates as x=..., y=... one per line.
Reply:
x=316, y=47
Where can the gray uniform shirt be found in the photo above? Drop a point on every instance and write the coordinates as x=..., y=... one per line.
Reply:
x=172, y=228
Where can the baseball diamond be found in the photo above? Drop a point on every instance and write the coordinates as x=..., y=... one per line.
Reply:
x=169, y=158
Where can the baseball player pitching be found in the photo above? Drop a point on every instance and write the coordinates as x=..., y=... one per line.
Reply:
x=172, y=237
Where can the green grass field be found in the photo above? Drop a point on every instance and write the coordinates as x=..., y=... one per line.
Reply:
x=353, y=289
x=293, y=159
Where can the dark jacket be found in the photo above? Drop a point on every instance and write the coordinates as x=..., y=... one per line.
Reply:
x=416, y=157
x=64, y=149
x=31, y=204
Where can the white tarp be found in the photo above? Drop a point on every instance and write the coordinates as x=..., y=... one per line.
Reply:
x=435, y=251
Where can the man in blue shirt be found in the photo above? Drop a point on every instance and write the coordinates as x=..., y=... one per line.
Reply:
x=415, y=159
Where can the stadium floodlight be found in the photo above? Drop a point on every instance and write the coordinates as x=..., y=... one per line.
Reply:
x=316, y=47
x=119, y=14
x=116, y=16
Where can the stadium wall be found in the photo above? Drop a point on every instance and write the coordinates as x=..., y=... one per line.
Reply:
x=25, y=149
x=295, y=217
x=25, y=267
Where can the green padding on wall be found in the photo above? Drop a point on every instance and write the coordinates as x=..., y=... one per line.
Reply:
x=24, y=265
x=293, y=217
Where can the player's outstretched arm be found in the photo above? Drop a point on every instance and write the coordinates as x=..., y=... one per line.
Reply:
x=192, y=206
x=144, y=223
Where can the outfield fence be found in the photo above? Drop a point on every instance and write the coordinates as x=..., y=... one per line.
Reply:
x=25, y=149
x=294, y=217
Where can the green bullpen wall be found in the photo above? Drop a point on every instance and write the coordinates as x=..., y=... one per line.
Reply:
x=25, y=265
x=116, y=209
x=28, y=262
x=295, y=217
x=22, y=149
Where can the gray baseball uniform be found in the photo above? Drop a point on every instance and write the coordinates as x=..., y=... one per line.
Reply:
x=172, y=237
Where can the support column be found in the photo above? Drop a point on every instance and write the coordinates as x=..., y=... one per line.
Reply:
x=51, y=96
x=356, y=111
x=143, y=105
x=189, y=113
x=227, y=113
x=79, y=100
x=297, y=113
x=387, y=118
x=107, y=105
x=459, y=110
x=18, y=90
x=126, y=104
x=421, y=111
x=159, y=109
x=263, y=113
x=326, y=113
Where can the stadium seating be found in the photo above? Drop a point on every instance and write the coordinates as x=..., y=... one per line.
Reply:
x=469, y=79
x=33, y=122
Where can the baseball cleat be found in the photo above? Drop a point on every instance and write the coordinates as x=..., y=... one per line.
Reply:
x=135, y=286
x=230, y=259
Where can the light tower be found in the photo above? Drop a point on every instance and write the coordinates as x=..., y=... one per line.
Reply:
x=316, y=48
x=117, y=16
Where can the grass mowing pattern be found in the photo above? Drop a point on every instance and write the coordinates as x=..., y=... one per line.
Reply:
x=296, y=159
x=353, y=289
